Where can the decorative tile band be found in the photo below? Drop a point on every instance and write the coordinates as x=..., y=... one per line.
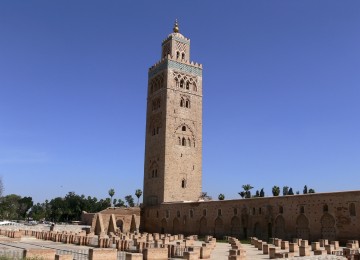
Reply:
x=170, y=64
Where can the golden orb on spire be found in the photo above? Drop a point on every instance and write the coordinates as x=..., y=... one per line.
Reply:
x=176, y=26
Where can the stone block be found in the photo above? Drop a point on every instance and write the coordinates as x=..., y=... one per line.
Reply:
x=285, y=245
x=236, y=257
x=134, y=256
x=102, y=253
x=266, y=249
x=304, y=251
x=323, y=242
x=277, y=242
x=335, y=244
x=64, y=257
x=155, y=253
x=320, y=252
x=191, y=255
x=351, y=245
x=329, y=249
x=315, y=246
x=205, y=252
x=260, y=245
x=272, y=252
x=44, y=254
x=304, y=243
x=293, y=247
x=195, y=249
x=237, y=254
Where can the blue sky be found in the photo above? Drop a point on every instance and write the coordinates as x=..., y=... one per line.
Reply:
x=281, y=93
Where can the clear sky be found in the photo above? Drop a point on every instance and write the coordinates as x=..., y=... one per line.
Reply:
x=281, y=102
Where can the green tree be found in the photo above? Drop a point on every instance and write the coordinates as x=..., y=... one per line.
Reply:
x=311, y=191
x=111, y=194
x=285, y=190
x=257, y=194
x=9, y=206
x=262, y=193
x=242, y=194
x=25, y=204
x=305, y=191
x=247, y=188
x=291, y=192
x=276, y=190
x=138, y=194
x=130, y=200
x=204, y=196
x=38, y=211
x=120, y=203
x=221, y=196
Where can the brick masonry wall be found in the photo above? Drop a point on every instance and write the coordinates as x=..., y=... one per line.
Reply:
x=309, y=216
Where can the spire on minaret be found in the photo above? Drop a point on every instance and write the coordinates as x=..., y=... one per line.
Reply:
x=176, y=26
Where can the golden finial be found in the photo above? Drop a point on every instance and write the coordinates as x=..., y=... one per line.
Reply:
x=176, y=26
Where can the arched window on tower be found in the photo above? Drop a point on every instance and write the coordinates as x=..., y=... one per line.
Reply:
x=183, y=141
x=187, y=103
x=183, y=184
x=187, y=85
x=182, y=102
x=177, y=55
x=183, y=56
x=183, y=128
x=176, y=82
x=182, y=83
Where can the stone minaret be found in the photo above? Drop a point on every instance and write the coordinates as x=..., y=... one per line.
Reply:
x=173, y=146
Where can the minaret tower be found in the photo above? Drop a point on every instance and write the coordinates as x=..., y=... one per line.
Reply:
x=173, y=146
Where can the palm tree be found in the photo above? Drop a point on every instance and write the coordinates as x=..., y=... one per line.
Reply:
x=221, y=196
x=138, y=194
x=247, y=188
x=305, y=191
x=242, y=194
x=276, y=191
x=204, y=196
x=111, y=194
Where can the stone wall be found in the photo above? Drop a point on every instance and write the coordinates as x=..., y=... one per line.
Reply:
x=126, y=219
x=334, y=216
